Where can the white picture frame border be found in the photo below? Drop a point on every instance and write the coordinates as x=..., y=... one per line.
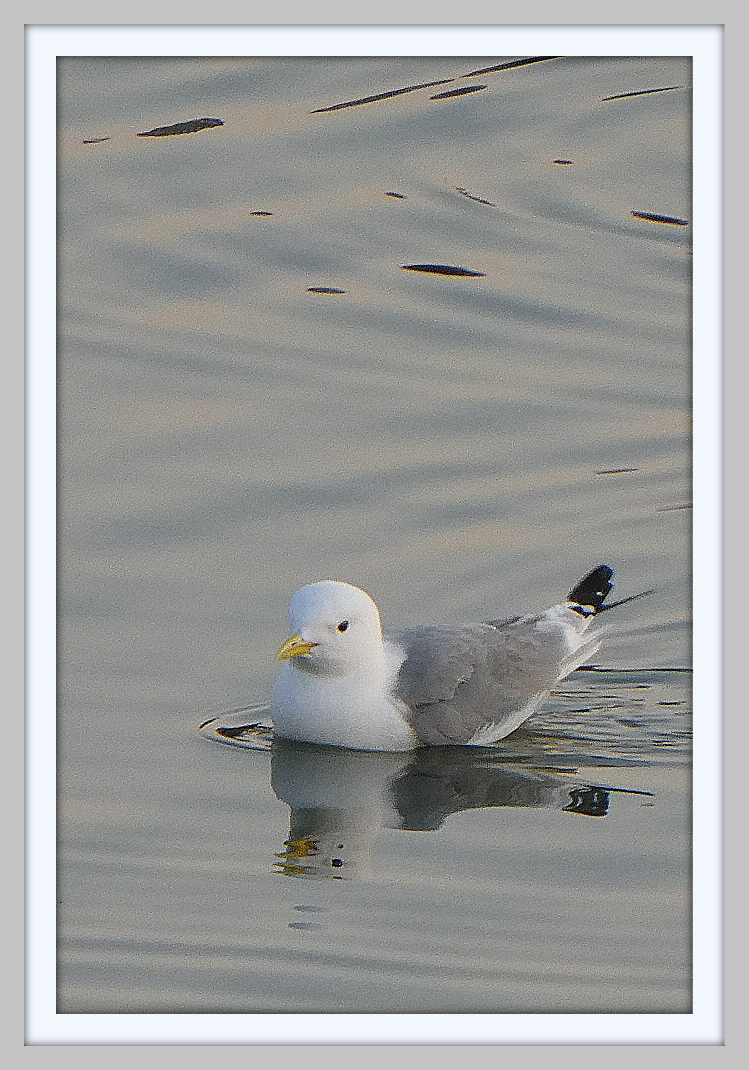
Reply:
x=44, y=43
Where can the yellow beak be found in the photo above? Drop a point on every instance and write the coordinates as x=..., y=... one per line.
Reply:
x=294, y=647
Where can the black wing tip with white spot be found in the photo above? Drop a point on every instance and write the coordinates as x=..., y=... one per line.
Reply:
x=589, y=596
x=591, y=592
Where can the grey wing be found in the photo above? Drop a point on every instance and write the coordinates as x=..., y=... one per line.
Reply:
x=459, y=679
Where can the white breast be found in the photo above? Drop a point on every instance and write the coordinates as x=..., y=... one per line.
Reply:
x=345, y=712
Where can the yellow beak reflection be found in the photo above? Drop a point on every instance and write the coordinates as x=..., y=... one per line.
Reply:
x=294, y=647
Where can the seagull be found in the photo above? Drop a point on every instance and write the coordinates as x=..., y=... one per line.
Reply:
x=344, y=682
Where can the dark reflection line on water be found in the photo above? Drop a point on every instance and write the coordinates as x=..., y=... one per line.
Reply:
x=655, y=217
x=641, y=92
x=444, y=269
x=261, y=730
x=601, y=668
x=381, y=96
x=190, y=127
x=590, y=709
x=457, y=92
x=512, y=63
x=470, y=196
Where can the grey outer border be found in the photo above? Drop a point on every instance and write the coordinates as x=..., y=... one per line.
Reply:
x=404, y=12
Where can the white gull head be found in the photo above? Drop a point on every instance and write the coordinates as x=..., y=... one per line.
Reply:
x=336, y=629
x=335, y=681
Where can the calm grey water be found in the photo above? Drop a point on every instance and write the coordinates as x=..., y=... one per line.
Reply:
x=461, y=447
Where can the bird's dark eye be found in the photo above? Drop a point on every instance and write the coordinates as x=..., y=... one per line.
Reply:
x=343, y=626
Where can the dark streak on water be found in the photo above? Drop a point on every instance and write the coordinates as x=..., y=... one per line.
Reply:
x=324, y=290
x=190, y=127
x=381, y=96
x=457, y=92
x=96, y=140
x=512, y=63
x=642, y=92
x=470, y=196
x=601, y=668
x=442, y=269
x=653, y=217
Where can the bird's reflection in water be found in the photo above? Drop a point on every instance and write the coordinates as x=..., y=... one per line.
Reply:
x=340, y=799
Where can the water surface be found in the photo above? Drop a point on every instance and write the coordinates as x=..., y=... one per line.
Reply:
x=255, y=394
